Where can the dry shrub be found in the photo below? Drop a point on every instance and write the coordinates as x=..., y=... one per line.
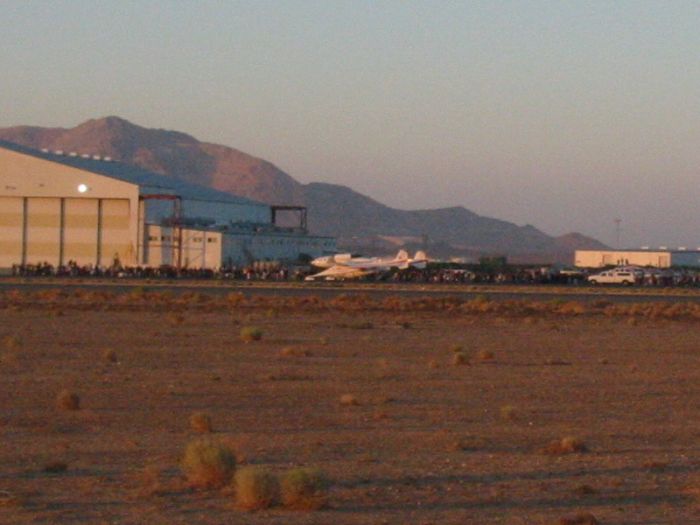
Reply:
x=359, y=325
x=68, y=400
x=176, y=319
x=460, y=358
x=433, y=364
x=583, y=518
x=291, y=351
x=467, y=443
x=201, y=422
x=655, y=465
x=250, y=334
x=208, y=463
x=256, y=488
x=55, y=466
x=384, y=400
x=12, y=342
x=552, y=361
x=585, y=490
x=8, y=499
x=304, y=489
x=349, y=400
x=456, y=348
x=485, y=355
x=137, y=294
x=567, y=445
x=571, y=308
x=380, y=415
x=508, y=413
x=150, y=482
x=235, y=298
x=109, y=356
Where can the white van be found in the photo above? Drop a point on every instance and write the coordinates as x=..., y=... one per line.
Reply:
x=616, y=276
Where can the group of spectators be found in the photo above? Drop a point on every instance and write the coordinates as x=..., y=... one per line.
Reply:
x=273, y=271
x=264, y=271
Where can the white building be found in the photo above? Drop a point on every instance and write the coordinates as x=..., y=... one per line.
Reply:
x=60, y=206
x=661, y=258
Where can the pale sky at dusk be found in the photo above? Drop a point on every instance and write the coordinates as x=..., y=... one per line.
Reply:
x=561, y=114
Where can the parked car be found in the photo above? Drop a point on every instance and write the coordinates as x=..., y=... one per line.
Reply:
x=617, y=276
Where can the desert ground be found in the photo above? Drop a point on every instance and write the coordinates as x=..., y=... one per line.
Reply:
x=430, y=411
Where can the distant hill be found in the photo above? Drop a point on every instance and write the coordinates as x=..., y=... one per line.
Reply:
x=357, y=220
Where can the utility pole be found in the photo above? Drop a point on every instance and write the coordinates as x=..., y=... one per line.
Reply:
x=618, y=232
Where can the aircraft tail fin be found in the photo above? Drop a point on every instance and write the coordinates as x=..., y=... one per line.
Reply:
x=420, y=261
x=402, y=255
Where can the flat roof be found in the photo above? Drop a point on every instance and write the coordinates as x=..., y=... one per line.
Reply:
x=133, y=175
x=645, y=250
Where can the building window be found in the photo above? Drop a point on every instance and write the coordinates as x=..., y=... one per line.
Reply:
x=211, y=239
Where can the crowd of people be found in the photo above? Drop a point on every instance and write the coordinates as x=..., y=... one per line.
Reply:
x=274, y=271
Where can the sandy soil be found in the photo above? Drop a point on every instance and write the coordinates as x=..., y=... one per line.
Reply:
x=429, y=442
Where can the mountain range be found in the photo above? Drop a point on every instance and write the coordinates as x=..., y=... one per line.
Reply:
x=359, y=222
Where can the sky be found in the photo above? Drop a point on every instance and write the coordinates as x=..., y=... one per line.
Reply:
x=566, y=115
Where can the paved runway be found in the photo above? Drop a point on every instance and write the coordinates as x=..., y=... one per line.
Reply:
x=327, y=290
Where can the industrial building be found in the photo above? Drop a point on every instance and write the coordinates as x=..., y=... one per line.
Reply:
x=661, y=258
x=58, y=206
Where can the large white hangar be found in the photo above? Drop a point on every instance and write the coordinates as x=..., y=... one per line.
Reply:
x=58, y=206
x=661, y=258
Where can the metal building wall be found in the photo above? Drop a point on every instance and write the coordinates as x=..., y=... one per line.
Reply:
x=199, y=248
x=11, y=227
x=53, y=213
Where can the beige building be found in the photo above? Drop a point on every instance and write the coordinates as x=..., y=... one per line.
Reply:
x=661, y=258
x=57, y=207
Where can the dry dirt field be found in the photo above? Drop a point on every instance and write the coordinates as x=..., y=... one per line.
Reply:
x=424, y=440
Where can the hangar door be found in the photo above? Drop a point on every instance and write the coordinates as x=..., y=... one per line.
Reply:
x=11, y=220
x=96, y=231
x=54, y=230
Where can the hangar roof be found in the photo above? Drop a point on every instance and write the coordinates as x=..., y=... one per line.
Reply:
x=133, y=175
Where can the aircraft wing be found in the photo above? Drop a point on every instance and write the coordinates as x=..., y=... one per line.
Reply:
x=340, y=272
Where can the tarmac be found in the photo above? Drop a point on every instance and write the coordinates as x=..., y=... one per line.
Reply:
x=581, y=293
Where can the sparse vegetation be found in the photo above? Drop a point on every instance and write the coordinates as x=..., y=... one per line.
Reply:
x=357, y=325
x=460, y=358
x=131, y=410
x=485, y=355
x=68, y=400
x=256, y=488
x=508, y=413
x=585, y=490
x=304, y=489
x=12, y=342
x=208, y=463
x=567, y=445
x=55, y=467
x=349, y=400
x=109, y=355
x=201, y=422
x=250, y=334
x=583, y=518
x=292, y=351
x=176, y=319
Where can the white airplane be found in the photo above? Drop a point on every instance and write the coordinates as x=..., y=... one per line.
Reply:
x=345, y=266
